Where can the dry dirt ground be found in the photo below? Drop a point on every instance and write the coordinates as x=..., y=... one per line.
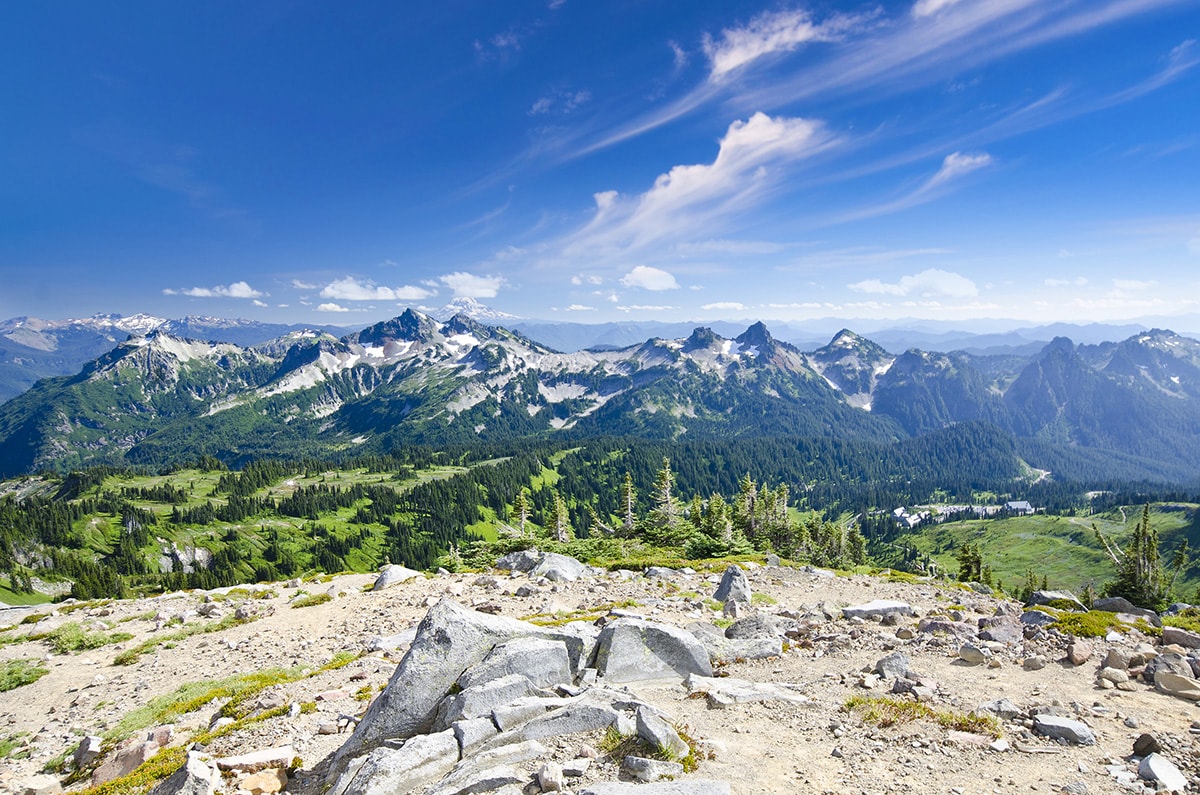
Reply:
x=757, y=748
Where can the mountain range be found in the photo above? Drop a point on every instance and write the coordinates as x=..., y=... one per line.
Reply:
x=1124, y=409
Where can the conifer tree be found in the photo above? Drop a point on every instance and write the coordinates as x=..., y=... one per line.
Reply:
x=1140, y=575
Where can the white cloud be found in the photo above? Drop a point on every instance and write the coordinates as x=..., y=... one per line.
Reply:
x=580, y=279
x=1078, y=281
x=235, y=290
x=580, y=308
x=331, y=308
x=1133, y=284
x=299, y=285
x=257, y=302
x=649, y=278
x=731, y=306
x=679, y=54
x=955, y=165
x=468, y=285
x=766, y=34
x=351, y=289
x=694, y=199
x=928, y=283
x=645, y=308
x=559, y=101
x=925, y=8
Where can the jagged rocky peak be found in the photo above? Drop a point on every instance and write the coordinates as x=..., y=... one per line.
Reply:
x=412, y=326
x=702, y=338
x=463, y=323
x=758, y=339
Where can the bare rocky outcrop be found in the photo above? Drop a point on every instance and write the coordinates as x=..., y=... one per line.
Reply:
x=455, y=699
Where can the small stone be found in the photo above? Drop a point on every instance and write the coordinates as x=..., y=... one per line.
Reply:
x=264, y=782
x=41, y=784
x=327, y=728
x=576, y=767
x=1079, y=652
x=650, y=770
x=1060, y=728
x=550, y=777
x=1145, y=745
x=972, y=654
x=1035, y=663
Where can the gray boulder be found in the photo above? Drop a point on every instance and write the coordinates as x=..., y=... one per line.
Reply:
x=660, y=734
x=544, y=661
x=449, y=640
x=723, y=649
x=878, y=609
x=1173, y=684
x=394, y=575
x=1051, y=597
x=522, y=561
x=1171, y=662
x=755, y=626
x=584, y=715
x=1037, y=618
x=1119, y=604
x=385, y=771
x=1157, y=767
x=559, y=568
x=632, y=650
x=893, y=666
x=1002, y=708
x=1060, y=728
x=1180, y=637
x=734, y=586
x=194, y=777
x=726, y=691
x=651, y=770
x=480, y=699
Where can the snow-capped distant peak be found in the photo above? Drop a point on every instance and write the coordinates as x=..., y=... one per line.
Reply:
x=472, y=309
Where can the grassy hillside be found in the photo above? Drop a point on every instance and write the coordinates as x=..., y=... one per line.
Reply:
x=1064, y=549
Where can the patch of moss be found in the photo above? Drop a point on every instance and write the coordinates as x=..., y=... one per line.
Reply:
x=17, y=673
x=312, y=600
x=1092, y=624
x=885, y=711
x=74, y=637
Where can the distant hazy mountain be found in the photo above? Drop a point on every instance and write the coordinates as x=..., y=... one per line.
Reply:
x=469, y=307
x=32, y=348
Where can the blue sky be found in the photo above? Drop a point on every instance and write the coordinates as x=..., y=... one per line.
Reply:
x=1029, y=160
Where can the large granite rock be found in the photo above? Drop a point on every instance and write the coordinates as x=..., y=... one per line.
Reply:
x=449, y=640
x=734, y=586
x=394, y=575
x=633, y=650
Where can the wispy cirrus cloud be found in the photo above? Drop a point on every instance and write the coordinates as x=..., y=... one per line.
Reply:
x=351, y=289
x=769, y=33
x=955, y=166
x=234, y=290
x=689, y=200
x=933, y=41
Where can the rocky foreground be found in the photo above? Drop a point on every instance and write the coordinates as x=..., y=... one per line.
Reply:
x=749, y=680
